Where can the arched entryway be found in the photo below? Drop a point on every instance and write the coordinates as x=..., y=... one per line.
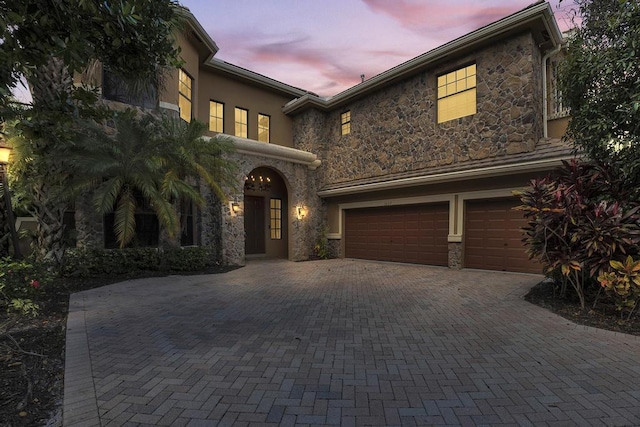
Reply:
x=266, y=214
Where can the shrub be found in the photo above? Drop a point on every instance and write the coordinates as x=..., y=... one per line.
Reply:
x=578, y=222
x=99, y=262
x=21, y=285
x=622, y=283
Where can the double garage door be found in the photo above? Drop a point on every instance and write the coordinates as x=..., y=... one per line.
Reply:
x=418, y=234
x=409, y=233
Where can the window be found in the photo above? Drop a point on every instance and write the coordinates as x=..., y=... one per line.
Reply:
x=263, y=127
x=457, y=94
x=275, y=226
x=556, y=105
x=345, y=123
x=241, y=122
x=188, y=224
x=184, y=95
x=216, y=116
x=115, y=88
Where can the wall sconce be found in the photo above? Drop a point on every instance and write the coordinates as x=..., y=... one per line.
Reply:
x=235, y=208
x=301, y=212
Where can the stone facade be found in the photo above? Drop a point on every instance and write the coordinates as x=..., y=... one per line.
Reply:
x=455, y=255
x=89, y=225
x=395, y=129
x=301, y=183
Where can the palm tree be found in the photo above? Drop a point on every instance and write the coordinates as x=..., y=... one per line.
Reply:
x=152, y=157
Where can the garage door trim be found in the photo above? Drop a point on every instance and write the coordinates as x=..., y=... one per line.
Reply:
x=438, y=198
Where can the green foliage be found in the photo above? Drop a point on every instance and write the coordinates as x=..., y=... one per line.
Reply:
x=321, y=248
x=574, y=227
x=156, y=157
x=131, y=37
x=622, y=282
x=49, y=42
x=21, y=285
x=600, y=82
x=99, y=262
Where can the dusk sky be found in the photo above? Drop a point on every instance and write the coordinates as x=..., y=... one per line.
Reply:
x=325, y=45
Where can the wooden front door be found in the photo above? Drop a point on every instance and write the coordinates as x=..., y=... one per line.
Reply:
x=254, y=225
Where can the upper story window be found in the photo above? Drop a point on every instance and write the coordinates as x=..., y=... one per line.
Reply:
x=216, y=116
x=457, y=94
x=114, y=88
x=242, y=121
x=185, y=93
x=345, y=123
x=264, y=123
x=556, y=105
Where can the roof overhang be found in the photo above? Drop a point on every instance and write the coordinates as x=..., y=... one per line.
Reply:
x=537, y=18
x=477, y=173
x=272, y=151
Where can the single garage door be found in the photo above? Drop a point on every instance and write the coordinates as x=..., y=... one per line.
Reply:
x=410, y=233
x=493, y=239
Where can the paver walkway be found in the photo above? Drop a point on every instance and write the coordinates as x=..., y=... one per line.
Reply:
x=340, y=342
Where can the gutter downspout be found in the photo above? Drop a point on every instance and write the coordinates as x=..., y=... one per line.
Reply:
x=545, y=102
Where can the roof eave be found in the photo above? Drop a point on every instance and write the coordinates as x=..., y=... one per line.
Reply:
x=255, y=78
x=541, y=10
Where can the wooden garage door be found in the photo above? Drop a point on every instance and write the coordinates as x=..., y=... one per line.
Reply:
x=411, y=233
x=493, y=239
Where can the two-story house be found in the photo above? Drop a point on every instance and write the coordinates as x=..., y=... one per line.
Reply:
x=417, y=164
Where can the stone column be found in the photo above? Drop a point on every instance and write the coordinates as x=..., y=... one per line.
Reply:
x=455, y=255
x=89, y=224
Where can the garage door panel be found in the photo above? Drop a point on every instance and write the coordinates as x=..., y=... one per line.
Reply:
x=493, y=237
x=411, y=233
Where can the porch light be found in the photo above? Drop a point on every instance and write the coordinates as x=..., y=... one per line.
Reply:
x=5, y=151
x=302, y=212
x=235, y=208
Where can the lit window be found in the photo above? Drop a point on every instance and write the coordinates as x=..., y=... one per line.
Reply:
x=457, y=94
x=275, y=227
x=242, y=116
x=263, y=127
x=185, y=91
x=216, y=116
x=345, y=123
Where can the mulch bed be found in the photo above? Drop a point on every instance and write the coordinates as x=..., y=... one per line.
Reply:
x=32, y=349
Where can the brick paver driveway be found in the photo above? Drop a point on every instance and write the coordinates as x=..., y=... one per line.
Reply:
x=340, y=342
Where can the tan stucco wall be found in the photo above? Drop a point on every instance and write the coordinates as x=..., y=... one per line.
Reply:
x=557, y=128
x=214, y=86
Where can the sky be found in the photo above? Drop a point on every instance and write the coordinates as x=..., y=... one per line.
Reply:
x=324, y=46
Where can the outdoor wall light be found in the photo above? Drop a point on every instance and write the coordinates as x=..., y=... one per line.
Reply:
x=302, y=211
x=235, y=208
x=5, y=151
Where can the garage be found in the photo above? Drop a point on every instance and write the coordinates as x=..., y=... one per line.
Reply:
x=493, y=237
x=409, y=233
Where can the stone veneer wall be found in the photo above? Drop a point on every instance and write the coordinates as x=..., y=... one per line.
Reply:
x=89, y=224
x=394, y=129
x=302, y=186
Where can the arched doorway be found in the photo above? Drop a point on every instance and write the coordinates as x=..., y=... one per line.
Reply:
x=265, y=214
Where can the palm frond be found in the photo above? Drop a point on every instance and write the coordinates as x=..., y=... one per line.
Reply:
x=125, y=218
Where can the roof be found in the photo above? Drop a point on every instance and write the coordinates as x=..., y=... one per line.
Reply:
x=547, y=154
x=207, y=49
x=537, y=18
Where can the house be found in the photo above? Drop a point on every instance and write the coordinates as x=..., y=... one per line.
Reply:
x=417, y=164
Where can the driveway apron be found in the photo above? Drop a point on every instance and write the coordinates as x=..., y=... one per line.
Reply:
x=340, y=342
